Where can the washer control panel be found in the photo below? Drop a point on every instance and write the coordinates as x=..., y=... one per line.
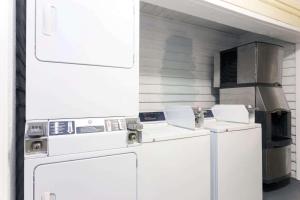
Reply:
x=208, y=114
x=152, y=116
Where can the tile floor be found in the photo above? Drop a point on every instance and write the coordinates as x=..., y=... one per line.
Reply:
x=290, y=192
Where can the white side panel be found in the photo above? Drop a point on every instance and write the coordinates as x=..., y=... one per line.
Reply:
x=60, y=90
x=93, y=32
x=7, y=100
x=239, y=165
x=175, y=169
x=109, y=178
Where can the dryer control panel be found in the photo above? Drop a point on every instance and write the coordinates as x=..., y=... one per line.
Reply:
x=61, y=136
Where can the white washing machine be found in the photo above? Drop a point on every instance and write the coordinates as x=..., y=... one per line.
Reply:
x=174, y=163
x=79, y=159
x=236, y=157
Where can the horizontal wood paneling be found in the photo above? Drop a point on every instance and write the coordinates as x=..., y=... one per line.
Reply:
x=170, y=89
x=165, y=80
x=157, y=98
x=161, y=106
x=176, y=62
x=289, y=88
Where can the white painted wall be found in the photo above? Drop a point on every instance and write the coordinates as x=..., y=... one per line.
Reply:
x=289, y=88
x=176, y=62
x=7, y=60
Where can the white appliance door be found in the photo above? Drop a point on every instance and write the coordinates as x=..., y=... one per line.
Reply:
x=175, y=169
x=239, y=164
x=107, y=178
x=90, y=32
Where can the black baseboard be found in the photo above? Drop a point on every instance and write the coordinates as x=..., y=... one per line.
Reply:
x=277, y=185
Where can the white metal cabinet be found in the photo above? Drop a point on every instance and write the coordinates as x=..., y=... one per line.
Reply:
x=239, y=165
x=108, y=178
x=175, y=169
x=92, y=32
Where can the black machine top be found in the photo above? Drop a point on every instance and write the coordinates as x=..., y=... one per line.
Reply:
x=208, y=114
x=152, y=116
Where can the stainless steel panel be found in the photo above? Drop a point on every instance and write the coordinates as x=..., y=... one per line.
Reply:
x=271, y=99
x=217, y=73
x=242, y=95
x=262, y=98
x=269, y=63
x=246, y=70
x=259, y=63
x=276, y=163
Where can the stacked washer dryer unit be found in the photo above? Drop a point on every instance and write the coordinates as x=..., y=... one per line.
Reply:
x=251, y=75
x=174, y=163
x=81, y=87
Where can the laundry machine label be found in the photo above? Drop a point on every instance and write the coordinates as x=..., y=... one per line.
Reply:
x=89, y=129
x=115, y=125
x=61, y=127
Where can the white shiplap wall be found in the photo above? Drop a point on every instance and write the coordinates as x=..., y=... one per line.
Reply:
x=288, y=82
x=289, y=87
x=176, y=60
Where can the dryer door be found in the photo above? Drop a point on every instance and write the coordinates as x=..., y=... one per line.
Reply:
x=111, y=177
x=90, y=32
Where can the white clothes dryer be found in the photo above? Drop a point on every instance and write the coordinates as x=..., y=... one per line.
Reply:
x=79, y=159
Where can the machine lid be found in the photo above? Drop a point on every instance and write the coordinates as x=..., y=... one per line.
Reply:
x=162, y=132
x=221, y=126
x=231, y=113
x=271, y=99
